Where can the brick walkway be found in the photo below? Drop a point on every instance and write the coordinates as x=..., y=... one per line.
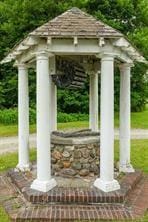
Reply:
x=134, y=201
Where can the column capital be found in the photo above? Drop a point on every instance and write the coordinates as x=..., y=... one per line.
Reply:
x=43, y=55
x=22, y=66
x=107, y=56
x=124, y=66
x=93, y=73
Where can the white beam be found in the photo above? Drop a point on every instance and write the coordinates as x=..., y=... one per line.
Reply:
x=67, y=46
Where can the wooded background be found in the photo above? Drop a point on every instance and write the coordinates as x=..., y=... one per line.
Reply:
x=19, y=17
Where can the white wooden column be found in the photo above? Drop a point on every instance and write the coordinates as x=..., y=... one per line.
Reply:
x=44, y=182
x=124, y=165
x=53, y=106
x=106, y=181
x=23, y=118
x=93, y=102
x=53, y=93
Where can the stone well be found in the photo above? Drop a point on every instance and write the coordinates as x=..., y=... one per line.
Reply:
x=75, y=154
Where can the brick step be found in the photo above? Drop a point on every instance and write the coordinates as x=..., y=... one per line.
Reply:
x=73, y=213
x=75, y=195
x=131, y=180
x=21, y=210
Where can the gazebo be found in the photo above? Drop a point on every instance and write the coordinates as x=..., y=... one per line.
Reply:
x=98, y=48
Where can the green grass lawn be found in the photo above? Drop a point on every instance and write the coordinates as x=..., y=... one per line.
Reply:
x=139, y=157
x=138, y=120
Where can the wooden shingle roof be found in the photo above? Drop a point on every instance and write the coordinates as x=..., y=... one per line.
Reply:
x=75, y=22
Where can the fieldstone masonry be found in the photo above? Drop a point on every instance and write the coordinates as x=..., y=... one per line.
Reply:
x=75, y=154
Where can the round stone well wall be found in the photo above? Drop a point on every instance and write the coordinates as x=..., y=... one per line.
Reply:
x=75, y=154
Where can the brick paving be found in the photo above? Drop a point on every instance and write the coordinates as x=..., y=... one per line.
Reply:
x=133, y=206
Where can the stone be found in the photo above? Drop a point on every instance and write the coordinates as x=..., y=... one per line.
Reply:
x=55, y=168
x=59, y=148
x=93, y=153
x=71, y=159
x=53, y=160
x=97, y=162
x=77, y=154
x=81, y=146
x=94, y=168
x=66, y=154
x=83, y=160
x=69, y=148
x=76, y=165
x=90, y=146
x=91, y=174
x=69, y=172
x=91, y=160
x=86, y=166
x=52, y=147
x=96, y=145
x=97, y=151
x=60, y=164
x=85, y=153
x=57, y=155
x=66, y=164
x=84, y=172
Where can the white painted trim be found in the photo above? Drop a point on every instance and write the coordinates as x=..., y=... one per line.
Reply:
x=121, y=42
x=43, y=186
x=106, y=186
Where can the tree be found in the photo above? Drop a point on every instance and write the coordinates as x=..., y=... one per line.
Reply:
x=19, y=17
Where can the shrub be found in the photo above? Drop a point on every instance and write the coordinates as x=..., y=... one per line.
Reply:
x=71, y=117
x=10, y=116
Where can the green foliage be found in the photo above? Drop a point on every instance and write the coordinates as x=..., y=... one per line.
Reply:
x=73, y=101
x=10, y=116
x=19, y=17
x=72, y=117
x=139, y=85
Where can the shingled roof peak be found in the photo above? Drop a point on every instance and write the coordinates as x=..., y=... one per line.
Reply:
x=75, y=22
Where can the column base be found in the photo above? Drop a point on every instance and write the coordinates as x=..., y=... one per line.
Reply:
x=23, y=167
x=43, y=186
x=107, y=186
x=126, y=168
